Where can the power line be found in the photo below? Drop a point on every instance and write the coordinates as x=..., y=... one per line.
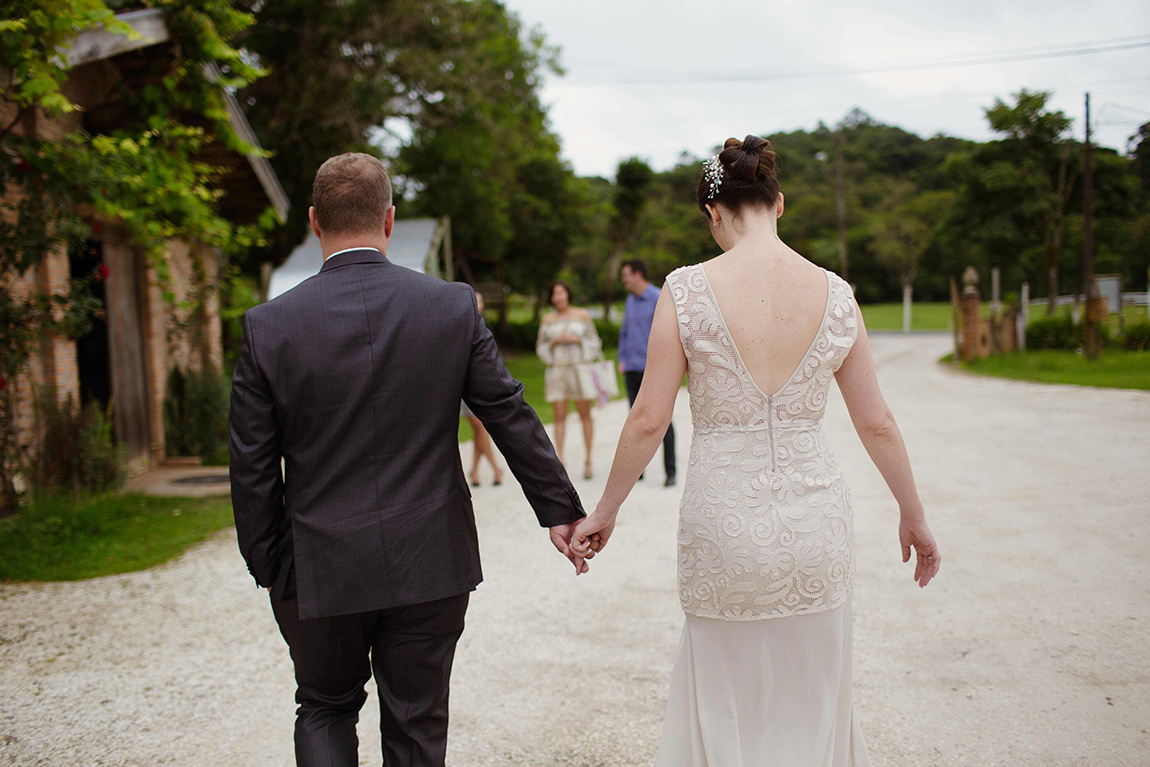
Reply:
x=648, y=77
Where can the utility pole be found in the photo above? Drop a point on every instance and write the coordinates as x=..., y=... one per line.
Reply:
x=1093, y=314
x=840, y=200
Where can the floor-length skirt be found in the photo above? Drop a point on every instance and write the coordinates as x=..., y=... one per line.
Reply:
x=773, y=692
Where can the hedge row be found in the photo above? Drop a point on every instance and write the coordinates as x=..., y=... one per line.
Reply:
x=522, y=335
x=1059, y=333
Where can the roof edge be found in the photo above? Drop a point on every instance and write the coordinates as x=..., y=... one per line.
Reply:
x=98, y=44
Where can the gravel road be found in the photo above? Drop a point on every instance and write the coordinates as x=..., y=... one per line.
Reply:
x=1030, y=648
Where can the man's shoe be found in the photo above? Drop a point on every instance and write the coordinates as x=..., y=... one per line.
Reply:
x=670, y=481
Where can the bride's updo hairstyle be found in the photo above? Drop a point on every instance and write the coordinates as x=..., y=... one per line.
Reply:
x=748, y=177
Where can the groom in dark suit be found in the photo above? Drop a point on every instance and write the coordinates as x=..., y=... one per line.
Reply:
x=366, y=539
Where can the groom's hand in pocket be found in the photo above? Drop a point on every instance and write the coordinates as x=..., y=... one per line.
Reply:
x=561, y=539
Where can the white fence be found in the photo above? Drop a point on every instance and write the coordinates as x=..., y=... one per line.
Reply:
x=1128, y=299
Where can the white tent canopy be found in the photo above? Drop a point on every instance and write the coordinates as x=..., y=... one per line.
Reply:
x=415, y=244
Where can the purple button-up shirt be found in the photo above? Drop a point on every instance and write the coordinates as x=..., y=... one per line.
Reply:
x=638, y=314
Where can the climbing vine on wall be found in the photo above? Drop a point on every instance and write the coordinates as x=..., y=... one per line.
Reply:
x=144, y=175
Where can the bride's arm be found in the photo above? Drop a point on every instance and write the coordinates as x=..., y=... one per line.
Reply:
x=883, y=441
x=646, y=423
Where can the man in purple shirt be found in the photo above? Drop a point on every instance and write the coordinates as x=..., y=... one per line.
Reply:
x=638, y=313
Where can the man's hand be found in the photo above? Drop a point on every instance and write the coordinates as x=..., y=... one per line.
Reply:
x=561, y=538
x=620, y=366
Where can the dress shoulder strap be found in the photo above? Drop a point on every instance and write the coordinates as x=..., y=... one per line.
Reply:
x=842, y=316
x=686, y=287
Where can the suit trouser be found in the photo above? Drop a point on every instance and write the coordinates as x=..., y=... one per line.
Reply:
x=409, y=648
x=634, y=379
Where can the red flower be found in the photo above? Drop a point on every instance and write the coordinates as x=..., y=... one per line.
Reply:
x=102, y=272
x=3, y=383
x=23, y=166
x=96, y=228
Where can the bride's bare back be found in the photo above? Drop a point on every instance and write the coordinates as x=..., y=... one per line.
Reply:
x=773, y=302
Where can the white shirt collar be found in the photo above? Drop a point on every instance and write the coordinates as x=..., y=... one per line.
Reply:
x=348, y=250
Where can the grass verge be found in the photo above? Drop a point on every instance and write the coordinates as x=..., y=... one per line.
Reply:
x=924, y=315
x=59, y=539
x=1116, y=368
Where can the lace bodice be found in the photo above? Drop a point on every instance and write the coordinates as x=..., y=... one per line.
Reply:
x=765, y=524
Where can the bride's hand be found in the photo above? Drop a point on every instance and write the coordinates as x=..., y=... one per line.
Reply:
x=917, y=534
x=592, y=533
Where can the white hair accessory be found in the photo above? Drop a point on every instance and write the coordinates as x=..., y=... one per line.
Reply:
x=713, y=174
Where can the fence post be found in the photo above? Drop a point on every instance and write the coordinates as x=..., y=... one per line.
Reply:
x=971, y=311
x=1024, y=316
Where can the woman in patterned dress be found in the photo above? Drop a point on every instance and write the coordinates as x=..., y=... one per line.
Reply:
x=766, y=543
x=567, y=336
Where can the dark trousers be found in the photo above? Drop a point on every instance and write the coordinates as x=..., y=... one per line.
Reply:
x=409, y=648
x=634, y=379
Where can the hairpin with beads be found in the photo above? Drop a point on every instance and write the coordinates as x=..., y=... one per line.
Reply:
x=713, y=174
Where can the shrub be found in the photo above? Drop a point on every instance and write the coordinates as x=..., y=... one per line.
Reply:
x=523, y=335
x=518, y=335
x=608, y=333
x=1137, y=337
x=77, y=451
x=1051, y=333
x=1060, y=332
x=196, y=413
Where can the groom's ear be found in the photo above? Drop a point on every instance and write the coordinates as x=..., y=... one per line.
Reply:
x=388, y=222
x=312, y=221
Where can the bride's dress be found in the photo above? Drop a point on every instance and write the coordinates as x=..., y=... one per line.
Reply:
x=766, y=555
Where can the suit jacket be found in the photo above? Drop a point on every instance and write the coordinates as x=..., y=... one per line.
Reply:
x=354, y=379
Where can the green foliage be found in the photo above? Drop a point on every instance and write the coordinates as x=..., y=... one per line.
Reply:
x=520, y=335
x=196, y=413
x=608, y=333
x=31, y=32
x=61, y=538
x=1051, y=333
x=448, y=88
x=1137, y=337
x=77, y=452
x=1060, y=332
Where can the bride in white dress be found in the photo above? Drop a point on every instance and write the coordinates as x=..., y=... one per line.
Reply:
x=766, y=542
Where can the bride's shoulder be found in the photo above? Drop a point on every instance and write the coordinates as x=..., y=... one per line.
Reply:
x=684, y=271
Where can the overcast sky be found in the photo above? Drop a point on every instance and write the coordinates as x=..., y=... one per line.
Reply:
x=647, y=78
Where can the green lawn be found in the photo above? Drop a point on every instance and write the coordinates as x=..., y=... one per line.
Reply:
x=935, y=315
x=58, y=539
x=1116, y=368
x=928, y=315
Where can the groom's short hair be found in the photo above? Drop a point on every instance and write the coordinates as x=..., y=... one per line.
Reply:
x=351, y=194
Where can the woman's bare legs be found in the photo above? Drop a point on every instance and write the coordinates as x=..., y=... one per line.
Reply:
x=584, y=408
x=560, y=410
x=481, y=443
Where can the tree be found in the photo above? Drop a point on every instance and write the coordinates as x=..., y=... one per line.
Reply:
x=902, y=233
x=448, y=87
x=1038, y=138
x=632, y=181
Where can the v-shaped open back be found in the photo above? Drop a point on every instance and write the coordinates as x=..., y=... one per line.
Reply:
x=722, y=388
x=735, y=347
